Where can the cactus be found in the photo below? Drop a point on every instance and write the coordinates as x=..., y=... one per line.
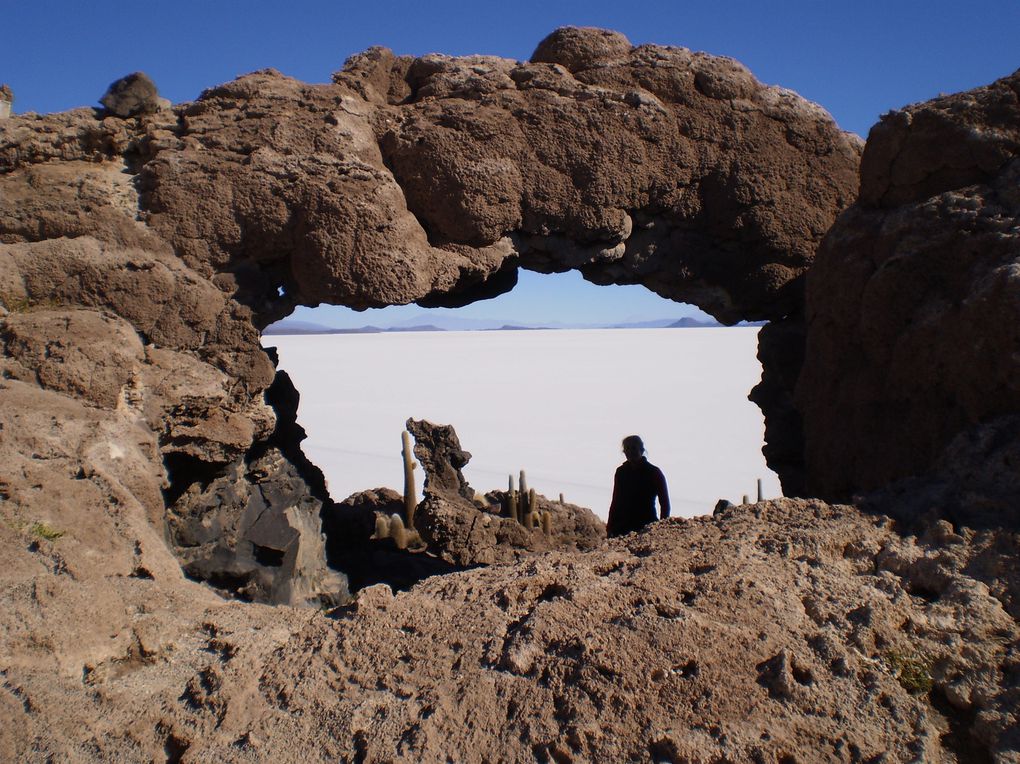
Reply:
x=761, y=496
x=522, y=485
x=534, y=520
x=547, y=522
x=745, y=500
x=410, y=500
x=532, y=501
x=512, y=500
x=396, y=525
x=382, y=527
x=562, y=500
x=510, y=484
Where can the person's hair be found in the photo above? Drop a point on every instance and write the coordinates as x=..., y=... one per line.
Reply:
x=635, y=441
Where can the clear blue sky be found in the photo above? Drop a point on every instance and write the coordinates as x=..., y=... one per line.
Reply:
x=857, y=60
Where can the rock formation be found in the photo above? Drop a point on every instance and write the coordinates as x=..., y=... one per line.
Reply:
x=146, y=439
x=6, y=100
x=912, y=310
x=466, y=531
x=786, y=630
x=133, y=95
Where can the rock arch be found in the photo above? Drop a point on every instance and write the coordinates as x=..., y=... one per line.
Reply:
x=428, y=180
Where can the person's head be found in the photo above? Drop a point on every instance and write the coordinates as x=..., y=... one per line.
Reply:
x=633, y=448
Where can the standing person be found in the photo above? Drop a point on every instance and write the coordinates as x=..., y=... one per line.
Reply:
x=635, y=488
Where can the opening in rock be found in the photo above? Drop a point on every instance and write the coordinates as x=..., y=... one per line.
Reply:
x=534, y=380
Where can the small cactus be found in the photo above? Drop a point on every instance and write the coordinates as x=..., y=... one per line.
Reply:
x=396, y=525
x=562, y=500
x=745, y=500
x=761, y=496
x=547, y=522
x=534, y=520
x=532, y=501
x=382, y=528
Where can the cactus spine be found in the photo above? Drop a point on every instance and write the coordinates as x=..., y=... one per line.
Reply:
x=410, y=500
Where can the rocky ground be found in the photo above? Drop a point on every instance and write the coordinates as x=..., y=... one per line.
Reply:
x=777, y=632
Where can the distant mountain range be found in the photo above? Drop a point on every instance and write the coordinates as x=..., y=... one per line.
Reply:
x=461, y=324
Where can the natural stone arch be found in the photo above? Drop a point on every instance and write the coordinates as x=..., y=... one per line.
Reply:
x=431, y=179
x=428, y=180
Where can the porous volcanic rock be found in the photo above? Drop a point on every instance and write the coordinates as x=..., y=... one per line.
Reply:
x=433, y=179
x=786, y=630
x=437, y=449
x=467, y=530
x=199, y=225
x=912, y=304
x=132, y=95
x=144, y=433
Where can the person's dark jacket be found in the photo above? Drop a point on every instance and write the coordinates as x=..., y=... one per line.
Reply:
x=635, y=489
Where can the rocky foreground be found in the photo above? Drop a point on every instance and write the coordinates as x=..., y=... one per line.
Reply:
x=777, y=632
x=178, y=585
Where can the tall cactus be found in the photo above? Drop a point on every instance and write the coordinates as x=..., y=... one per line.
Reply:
x=523, y=484
x=532, y=501
x=547, y=522
x=410, y=500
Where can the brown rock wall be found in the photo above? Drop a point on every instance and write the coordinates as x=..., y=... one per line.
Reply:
x=912, y=306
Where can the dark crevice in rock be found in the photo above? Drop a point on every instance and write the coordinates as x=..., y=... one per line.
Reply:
x=959, y=739
x=184, y=470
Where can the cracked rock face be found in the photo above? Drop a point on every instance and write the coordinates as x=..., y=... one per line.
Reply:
x=913, y=313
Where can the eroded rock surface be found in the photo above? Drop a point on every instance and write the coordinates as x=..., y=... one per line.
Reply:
x=465, y=529
x=783, y=630
x=433, y=179
x=429, y=180
x=142, y=427
x=912, y=308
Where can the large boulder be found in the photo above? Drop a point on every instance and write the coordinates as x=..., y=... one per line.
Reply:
x=133, y=95
x=912, y=304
